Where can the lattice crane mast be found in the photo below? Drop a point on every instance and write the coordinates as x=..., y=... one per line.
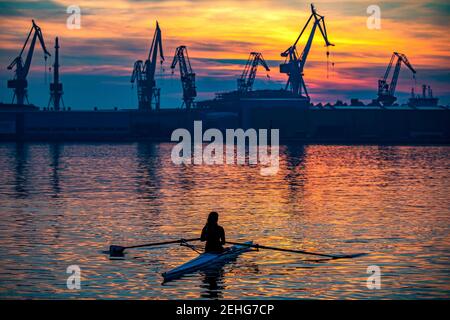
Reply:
x=56, y=87
x=386, y=91
x=144, y=75
x=19, y=84
x=295, y=63
x=245, y=82
x=181, y=58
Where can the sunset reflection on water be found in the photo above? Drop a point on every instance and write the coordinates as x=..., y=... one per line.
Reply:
x=62, y=204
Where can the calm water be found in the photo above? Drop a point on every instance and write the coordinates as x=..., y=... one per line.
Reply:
x=62, y=204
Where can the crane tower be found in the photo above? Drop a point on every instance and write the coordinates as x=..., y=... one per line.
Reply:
x=295, y=63
x=56, y=87
x=386, y=91
x=245, y=82
x=19, y=84
x=144, y=75
x=181, y=58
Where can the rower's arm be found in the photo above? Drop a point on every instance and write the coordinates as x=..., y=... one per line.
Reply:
x=223, y=236
x=203, y=236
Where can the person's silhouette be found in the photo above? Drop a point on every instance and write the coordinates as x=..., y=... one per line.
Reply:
x=213, y=234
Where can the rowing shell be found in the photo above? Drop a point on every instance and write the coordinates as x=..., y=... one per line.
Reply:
x=205, y=260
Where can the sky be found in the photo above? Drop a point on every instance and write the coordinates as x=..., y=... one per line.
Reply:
x=97, y=59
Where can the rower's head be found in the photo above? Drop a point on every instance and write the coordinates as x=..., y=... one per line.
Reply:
x=213, y=218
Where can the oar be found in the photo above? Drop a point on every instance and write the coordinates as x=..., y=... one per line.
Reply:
x=117, y=251
x=258, y=246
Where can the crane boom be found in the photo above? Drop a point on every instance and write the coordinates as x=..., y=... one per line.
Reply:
x=386, y=91
x=181, y=58
x=150, y=63
x=295, y=63
x=245, y=82
x=19, y=84
x=144, y=74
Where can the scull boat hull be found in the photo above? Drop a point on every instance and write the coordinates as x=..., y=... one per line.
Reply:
x=205, y=260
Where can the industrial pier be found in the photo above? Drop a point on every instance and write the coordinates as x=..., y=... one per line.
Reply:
x=396, y=125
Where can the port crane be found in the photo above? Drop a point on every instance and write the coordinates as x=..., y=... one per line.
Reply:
x=56, y=87
x=245, y=82
x=144, y=75
x=19, y=84
x=181, y=58
x=386, y=90
x=295, y=63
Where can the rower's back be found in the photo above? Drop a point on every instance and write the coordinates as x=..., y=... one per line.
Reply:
x=213, y=234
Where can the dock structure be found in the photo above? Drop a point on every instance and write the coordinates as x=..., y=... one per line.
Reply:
x=344, y=124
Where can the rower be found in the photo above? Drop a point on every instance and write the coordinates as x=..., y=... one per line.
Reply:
x=213, y=234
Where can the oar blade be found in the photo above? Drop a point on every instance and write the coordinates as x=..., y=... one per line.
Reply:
x=349, y=256
x=116, y=252
x=332, y=257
